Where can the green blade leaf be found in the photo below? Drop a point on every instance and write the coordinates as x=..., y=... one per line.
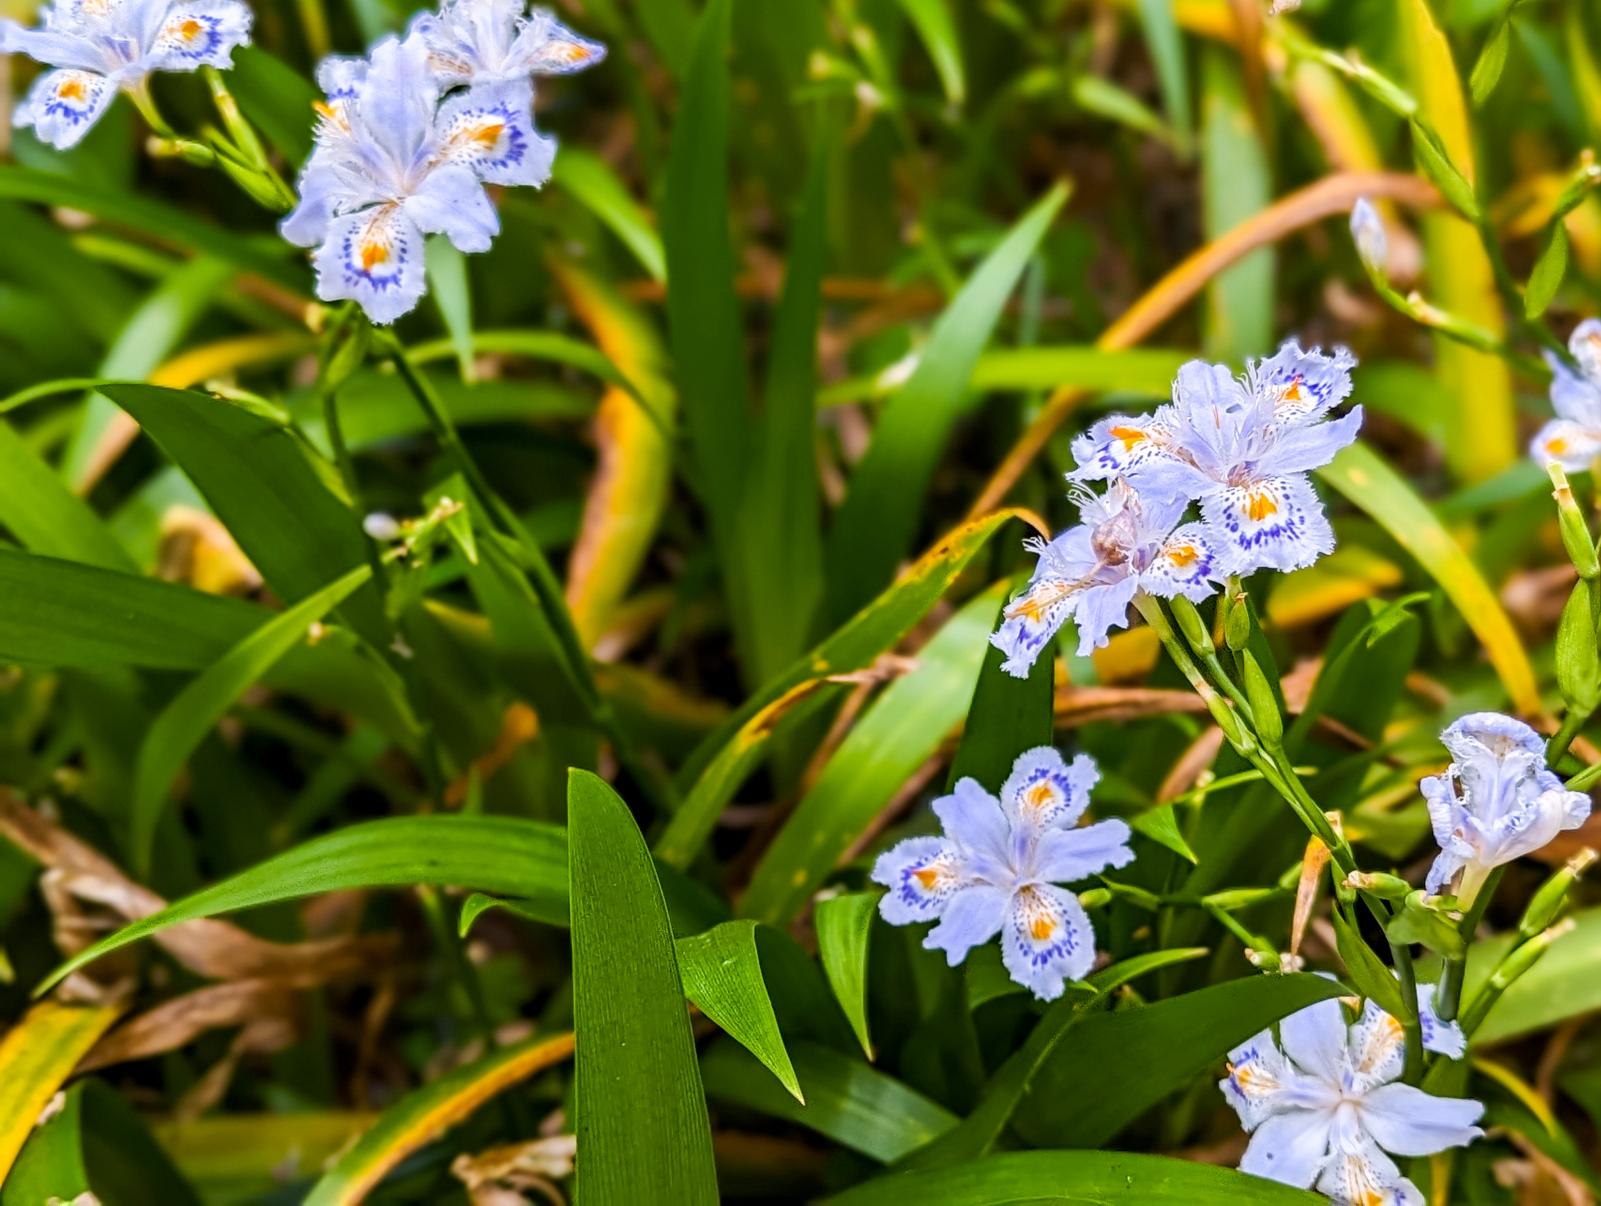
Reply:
x=1367, y=480
x=900, y=732
x=1136, y=1057
x=873, y=529
x=846, y=1100
x=185, y=722
x=1075, y=1178
x=702, y=310
x=936, y=27
x=844, y=927
x=1172, y=72
x=269, y=490
x=42, y=512
x=591, y=180
x=451, y=289
x=722, y=975
x=1548, y=272
x=97, y=1147
x=779, y=578
x=717, y=768
x=503, y=855
x=1237, y=184
x=267, y=256
x=150, y=333
x=1007, y=717
x=641, y=1112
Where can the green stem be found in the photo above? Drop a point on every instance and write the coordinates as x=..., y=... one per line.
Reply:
x=1573, y=720
x=1410, y=1021
x=1448, y=997
x=546, y=587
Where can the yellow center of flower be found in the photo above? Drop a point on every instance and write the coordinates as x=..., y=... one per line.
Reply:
x=1042, y=928
x=71, y=90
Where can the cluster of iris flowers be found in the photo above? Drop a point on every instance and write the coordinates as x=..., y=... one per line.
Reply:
x=1239, y=449
x=409, y=137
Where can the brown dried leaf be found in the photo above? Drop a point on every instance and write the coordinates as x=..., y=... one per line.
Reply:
x=180, y=1021
x=218, y=950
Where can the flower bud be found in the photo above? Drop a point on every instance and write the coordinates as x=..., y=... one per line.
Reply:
x=1530, y=953
x=1227, y=720
x=1372, y=244
x=1237, y=621
x=1552, y=895
x=1095, y=898
x=1264, y=704
x=1192, y=626
x=1576, y=537
x=1378, y=883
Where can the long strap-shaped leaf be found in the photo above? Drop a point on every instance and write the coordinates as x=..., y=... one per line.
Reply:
x=186, y=721
x=504, y=855
x=718, y=767
x=642, y=1123
x=36, y=1057
x=874, y=528
x=1071, y=1178
x=419, y=1117
x=1367, y=480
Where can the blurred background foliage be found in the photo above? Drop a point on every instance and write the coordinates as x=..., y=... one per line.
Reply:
x=914, y=246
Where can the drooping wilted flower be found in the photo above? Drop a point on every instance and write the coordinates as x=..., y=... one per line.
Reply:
x=498, y=41
x=394, y=164
x=1495, y=802
x=996, y=866
x=1573, y=438
x=1372, y=244
x=1242, y=449
x=1324, y=1104
x=1125, y=543
x=101, y=47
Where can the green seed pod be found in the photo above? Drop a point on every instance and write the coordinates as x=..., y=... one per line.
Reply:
x=1240, y=898
x=1095, y=898
x=1264, y=704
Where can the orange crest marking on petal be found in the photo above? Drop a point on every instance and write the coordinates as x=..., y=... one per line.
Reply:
x=488, y=134
x=1183, y=556
x=927, y=876
x=190, y=30
x=1556, y=446
x=1040, y=795
x=373, y=254
x=572, y=52
x=1260, y=505
x=1042, y=928
x=1129, y=436
x=72, y=90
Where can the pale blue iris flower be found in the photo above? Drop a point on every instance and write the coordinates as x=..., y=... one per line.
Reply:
x=1241, y=449
x=498, y=41
x=1127, y=542
x=1496, y=802
x=395, y=163
x=1324, y=1104
x=995, y=868
x=101, y=47
x=1573, y=438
